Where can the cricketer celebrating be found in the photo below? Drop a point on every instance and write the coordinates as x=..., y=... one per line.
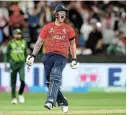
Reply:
x=16, y=55
x=58, y=38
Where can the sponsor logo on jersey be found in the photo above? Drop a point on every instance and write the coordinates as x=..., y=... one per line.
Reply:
x=58, y=37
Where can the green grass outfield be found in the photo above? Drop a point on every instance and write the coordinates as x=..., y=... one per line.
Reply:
x=79, y=104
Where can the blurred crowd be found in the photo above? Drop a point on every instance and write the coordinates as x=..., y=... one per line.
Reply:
x=100, y=26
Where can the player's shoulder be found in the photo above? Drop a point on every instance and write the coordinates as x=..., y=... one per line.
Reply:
x=10, y=41
x=48, y=25
x=24, y=41
x=68, y=26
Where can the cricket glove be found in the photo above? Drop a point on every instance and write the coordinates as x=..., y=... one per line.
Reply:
x=74, y=64
x=30, y=59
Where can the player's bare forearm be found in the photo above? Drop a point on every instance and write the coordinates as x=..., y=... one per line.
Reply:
x=73, y=48
x=99, y=44
x=37, y=46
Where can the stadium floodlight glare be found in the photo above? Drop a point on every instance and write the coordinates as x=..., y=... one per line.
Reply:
x=98, y=24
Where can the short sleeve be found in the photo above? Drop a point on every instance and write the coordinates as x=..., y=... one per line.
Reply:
x=43, y=32
x=71, y=32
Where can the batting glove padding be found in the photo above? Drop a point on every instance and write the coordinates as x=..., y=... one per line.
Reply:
x=74, y=64
x=30, y=60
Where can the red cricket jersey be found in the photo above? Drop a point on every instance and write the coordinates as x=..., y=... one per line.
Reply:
x=57, y=38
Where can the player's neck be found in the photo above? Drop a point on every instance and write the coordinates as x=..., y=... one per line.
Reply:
x=17, y=39
x=57, y=23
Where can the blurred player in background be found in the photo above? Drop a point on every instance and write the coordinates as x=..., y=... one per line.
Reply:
x=16, y=55
x=57, y=38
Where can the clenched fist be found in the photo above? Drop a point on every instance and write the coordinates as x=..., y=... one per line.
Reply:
x=74, y=64
x=30, y=59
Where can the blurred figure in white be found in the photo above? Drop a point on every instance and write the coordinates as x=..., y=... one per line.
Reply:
x=4, y=28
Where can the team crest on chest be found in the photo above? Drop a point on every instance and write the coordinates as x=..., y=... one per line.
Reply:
x=51, y=30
